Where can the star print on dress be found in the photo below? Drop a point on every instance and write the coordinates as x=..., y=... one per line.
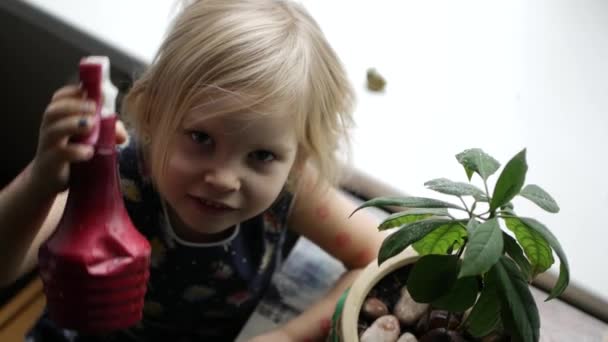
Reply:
x=130, y=190
x=197, y=293
x=222, y=270
x=238, y=298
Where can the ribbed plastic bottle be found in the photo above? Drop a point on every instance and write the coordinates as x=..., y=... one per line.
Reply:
x=95, y=266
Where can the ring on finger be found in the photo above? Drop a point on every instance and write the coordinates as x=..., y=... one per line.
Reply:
x=83, y=122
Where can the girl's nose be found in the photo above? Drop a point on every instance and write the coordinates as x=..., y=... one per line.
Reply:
x=223, y=180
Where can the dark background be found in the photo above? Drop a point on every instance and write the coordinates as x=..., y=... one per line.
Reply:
x=38, y=55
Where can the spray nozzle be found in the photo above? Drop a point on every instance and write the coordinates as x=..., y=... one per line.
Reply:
x=95, y=78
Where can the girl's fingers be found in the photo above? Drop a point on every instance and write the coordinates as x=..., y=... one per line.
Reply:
x=67, y=127
x=76, y=125
x=75, y=152
x=66, y=107
x=68, y=91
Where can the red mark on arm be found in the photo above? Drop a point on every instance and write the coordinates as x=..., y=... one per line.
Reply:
x=325, y=325
x=342, y=240
x=364, y=257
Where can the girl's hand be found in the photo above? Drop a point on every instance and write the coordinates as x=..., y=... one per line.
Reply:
x=276, y=335
x=69, y=114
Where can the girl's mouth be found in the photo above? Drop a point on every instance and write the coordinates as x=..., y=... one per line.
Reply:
x=212, y=207
x=216, y=205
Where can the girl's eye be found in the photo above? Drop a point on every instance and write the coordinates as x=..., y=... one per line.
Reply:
x=201, y=138
x=263, y=156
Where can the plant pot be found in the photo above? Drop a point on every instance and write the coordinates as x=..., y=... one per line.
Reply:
x=346, y=317
x=349, y=319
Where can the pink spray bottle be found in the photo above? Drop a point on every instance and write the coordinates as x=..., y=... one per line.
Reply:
x=95, y=266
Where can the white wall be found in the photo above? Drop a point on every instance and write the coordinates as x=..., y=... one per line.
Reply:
x=500, y=75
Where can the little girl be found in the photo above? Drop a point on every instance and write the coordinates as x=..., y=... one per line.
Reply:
x=235, y=128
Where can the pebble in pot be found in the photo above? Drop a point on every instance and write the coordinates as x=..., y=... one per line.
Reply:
x=437, y=319
x=407, y=310
x=374, y=308
x=407, y=337
x=384, y=329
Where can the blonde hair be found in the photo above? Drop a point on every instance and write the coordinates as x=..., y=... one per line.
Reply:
x=271, y=53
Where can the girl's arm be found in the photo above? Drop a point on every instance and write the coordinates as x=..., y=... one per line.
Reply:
x=31, y=206
x=27, y=218
x=323, y=217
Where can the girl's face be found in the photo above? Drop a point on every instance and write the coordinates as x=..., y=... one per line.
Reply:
x=226, y=169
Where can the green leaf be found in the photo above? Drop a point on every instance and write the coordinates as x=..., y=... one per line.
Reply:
x=510, y=181
x=540, y=197
x=564, y=272
x=469, y=173
x=483, y=250
x=460, y=296
x=440, y=240
x=412, y=215
x=432, y=276
x=535, y=246
x=513, y=249
x=485, y=315
x=471, y=226
x=446, y=186
x=477, y=160
x=407, y=202
x=516, y=300
x=508, y=324
x=406, y=235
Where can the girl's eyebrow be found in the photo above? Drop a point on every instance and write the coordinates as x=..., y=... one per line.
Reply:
x=198, y=116
x=273, y=145
x=279, y=148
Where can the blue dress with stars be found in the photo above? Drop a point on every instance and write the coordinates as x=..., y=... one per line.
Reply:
x=197, y=291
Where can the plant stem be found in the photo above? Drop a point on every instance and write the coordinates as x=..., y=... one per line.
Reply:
x=461, y=249
x=485, y=184
x=465, y=205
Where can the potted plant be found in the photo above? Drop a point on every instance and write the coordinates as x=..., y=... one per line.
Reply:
x=469, y=280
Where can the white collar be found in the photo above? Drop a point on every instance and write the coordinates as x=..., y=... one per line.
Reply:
x=173, y=235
